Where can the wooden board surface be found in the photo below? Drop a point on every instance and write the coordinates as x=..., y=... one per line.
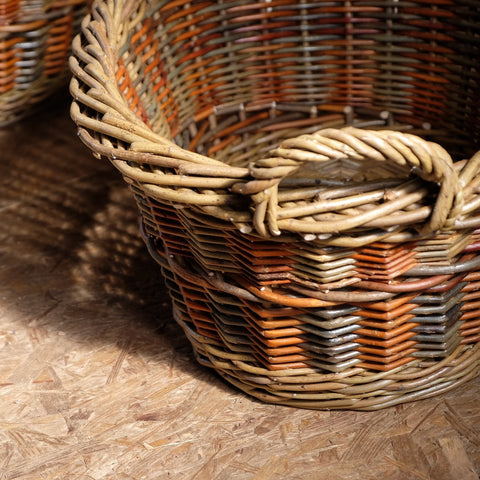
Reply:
x=97, y=382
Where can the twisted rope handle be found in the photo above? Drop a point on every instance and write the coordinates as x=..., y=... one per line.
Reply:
x=426, y=160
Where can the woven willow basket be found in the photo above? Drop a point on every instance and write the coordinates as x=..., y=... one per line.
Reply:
x=35, y=39
x=289, y=160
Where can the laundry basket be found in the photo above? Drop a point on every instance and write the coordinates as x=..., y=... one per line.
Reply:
x=35, y=39
x=308, y=182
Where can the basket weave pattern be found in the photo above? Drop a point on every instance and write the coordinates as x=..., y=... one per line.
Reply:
x=35, y=39
x=307, y=181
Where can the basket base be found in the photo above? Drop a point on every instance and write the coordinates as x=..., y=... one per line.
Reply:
x=295, y=354
x=354, y=389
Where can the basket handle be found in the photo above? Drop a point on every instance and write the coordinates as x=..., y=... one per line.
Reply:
x=426, y=160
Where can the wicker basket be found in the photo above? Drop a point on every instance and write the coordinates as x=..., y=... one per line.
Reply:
x=35, y=39
x=290, y=163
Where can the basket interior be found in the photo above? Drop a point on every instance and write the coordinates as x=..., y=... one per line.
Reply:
x=231, y=79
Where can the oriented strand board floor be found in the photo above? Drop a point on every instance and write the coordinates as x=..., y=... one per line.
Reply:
x=96, y=382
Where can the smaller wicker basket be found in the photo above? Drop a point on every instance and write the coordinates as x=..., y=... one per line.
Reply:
x=35, y=39
x=308, y=181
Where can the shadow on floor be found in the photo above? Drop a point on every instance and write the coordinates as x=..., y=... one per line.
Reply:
x=71, y=254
